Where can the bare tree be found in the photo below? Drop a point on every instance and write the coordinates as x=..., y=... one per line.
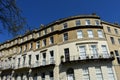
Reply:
x=10, y=16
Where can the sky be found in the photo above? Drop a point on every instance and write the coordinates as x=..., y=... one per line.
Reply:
x=39, y=12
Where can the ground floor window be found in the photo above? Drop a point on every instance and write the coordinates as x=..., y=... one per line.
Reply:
x=70, y=74
x=85, y=73
x=110, y=73
x=35, y=77
x=99, y=75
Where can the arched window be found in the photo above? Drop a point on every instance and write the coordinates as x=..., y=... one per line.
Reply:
x=70, y=74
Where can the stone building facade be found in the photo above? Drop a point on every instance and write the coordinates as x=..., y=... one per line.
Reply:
x=79, y=47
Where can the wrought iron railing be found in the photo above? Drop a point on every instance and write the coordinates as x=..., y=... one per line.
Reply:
x=87, y=56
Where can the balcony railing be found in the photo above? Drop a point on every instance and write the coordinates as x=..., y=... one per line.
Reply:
x=87, y=57
x=25, y=65
x=36, y=64
x=6, y=66
x=43, y=63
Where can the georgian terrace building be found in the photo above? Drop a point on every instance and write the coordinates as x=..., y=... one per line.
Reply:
x=79, y=47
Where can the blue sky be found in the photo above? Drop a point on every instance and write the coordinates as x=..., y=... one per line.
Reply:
x=39, y=12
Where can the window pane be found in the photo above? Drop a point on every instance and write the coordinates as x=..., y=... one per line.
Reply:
x=116, y=53
x=65, y=36
x=51, y=40
x=116, y=31
x=51, y=28
x=90, y=33
x=112, y=40
x=100, y=34
x=79, y=34
x=108, y=28
x=118, y=59
x=37, y=44
x=66, y=52
x=85, y=74
x=31, y=45
x=97, y=22
x=78, y=23
x=104, y=51
x=119, y=41
x=110, y=73
x=94, y=51
x=37, y=57
x=65, y=25
x=98, y=73
x=87, y=22
x=70, y=74
x=44, y=42
x=82, y=52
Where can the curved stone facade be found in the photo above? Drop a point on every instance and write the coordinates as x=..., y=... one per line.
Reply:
x=73, y=48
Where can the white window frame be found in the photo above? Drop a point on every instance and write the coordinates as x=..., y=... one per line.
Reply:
x=65, y=25
x=37, y=44
x=112, y=40
x=51, y=28
x=82, y=51
x=31, y=45
x=65, y=37
x=85, y=72
x=44, y=42
x=99, y=75
x=77, y=22
x=109, y=29
x=94, y=50
x=87, y=22
x=104, y=51
x=44, y=55
x=90, y=33
x=119, y=40
x=51, y=56
x=79, y=34
x=110, y=73
x=51, y=40
x=100, y=33
x=97, y=22
x=116, y=31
